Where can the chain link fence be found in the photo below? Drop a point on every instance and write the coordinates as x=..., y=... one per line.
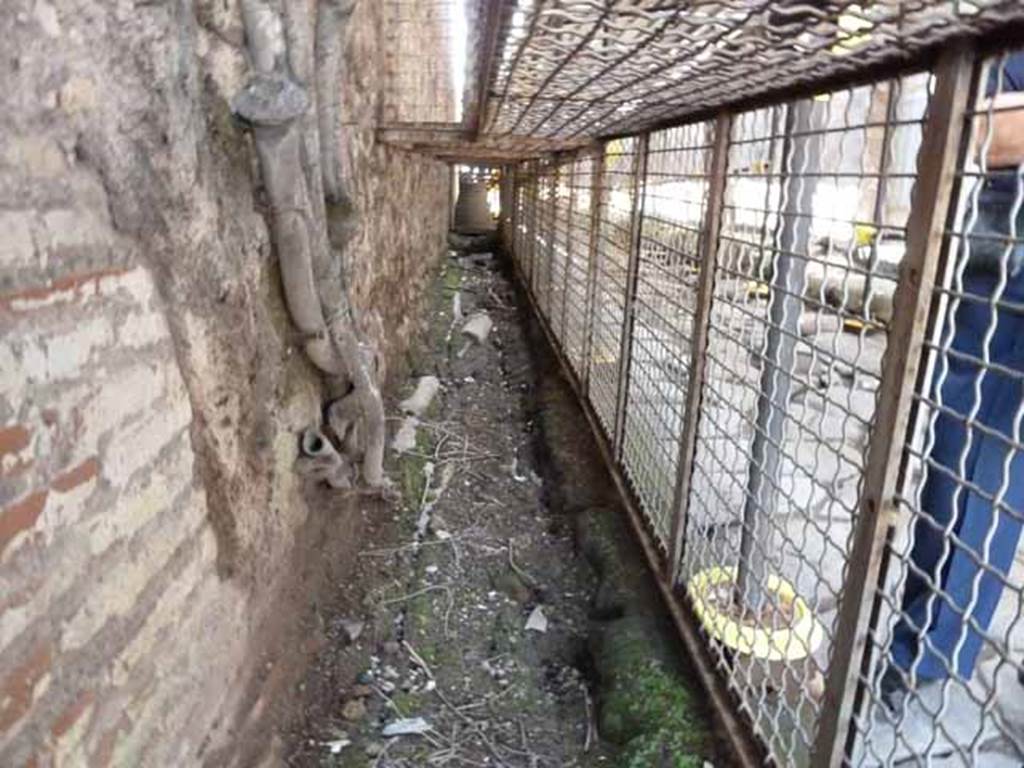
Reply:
x=799, y=328
x=949, y=634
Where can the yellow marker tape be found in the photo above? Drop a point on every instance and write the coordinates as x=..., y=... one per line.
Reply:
x=790, y=644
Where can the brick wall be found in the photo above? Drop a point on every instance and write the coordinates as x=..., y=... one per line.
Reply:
x=151, y=388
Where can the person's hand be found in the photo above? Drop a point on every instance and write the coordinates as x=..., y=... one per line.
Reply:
x=1006, y=144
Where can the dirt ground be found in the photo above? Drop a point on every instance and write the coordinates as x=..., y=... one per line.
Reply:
x=498, y=613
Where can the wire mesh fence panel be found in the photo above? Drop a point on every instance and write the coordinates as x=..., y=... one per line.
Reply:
x=675, y=198
x=813, y=223
x=538, y=259
x=569, y=69
x=561, y=210
x=575, y=311
x=542, y=237
x=610, y=275
x=519, y=214
x=419, y=73
x=945, y=685
x=528, y=220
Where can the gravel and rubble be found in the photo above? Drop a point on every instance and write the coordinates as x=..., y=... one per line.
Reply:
x=474, y=605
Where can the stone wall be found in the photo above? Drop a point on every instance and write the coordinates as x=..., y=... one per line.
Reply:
x=151, y=386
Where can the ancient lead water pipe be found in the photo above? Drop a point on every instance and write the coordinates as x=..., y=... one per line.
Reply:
x=272, y=103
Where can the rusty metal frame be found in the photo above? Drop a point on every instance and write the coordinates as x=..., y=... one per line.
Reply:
x=571, y=164
x=638, y=67
x=632, y=271
x=941, y=150
x=533, y=174
x=698, y=357
x=597, y=182
x=589, y=79
x=843, y=681
x=556, y=172
x=747, y=752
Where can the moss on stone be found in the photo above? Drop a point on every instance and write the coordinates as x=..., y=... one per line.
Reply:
x=644, y=703
x=663, y=748
x=407, y=702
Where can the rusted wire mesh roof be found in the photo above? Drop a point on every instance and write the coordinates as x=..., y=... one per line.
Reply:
x=569, y=70
x=573, y=68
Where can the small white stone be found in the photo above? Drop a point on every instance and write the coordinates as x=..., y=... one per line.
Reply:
x=537, y=621
x=47, y=17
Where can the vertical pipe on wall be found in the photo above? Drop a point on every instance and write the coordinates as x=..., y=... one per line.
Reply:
x=275, y=105
x=331, y=21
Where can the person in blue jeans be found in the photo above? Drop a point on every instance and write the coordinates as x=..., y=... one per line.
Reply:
x=939, y=635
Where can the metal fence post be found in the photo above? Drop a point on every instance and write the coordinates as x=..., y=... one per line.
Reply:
x=568, y=247
x=597, y=178
x=537, y=254
x=531, y=227
x=632, y=271
x=512, y=175
x=939, y=156
x=552, y=228
x=699, y=342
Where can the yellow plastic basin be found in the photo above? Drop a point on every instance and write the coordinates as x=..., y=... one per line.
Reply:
x=784, y=644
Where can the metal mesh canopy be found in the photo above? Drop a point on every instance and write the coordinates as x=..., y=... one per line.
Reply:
x=570, y=70
x=582, y=68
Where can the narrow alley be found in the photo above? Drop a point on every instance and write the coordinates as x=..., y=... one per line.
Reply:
x=512, y=383
x=502, y=616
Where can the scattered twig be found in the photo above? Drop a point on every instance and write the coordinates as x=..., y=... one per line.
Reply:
x=447, y=702
x=419, y=660
x=589, y=709
x=383, y=753
x=527, y=579
x=497, y=301
x=417, y=593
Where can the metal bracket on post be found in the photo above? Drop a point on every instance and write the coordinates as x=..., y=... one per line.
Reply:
x=942, y=147
x=596, y=195
x=699, y=342
x=632, y=272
